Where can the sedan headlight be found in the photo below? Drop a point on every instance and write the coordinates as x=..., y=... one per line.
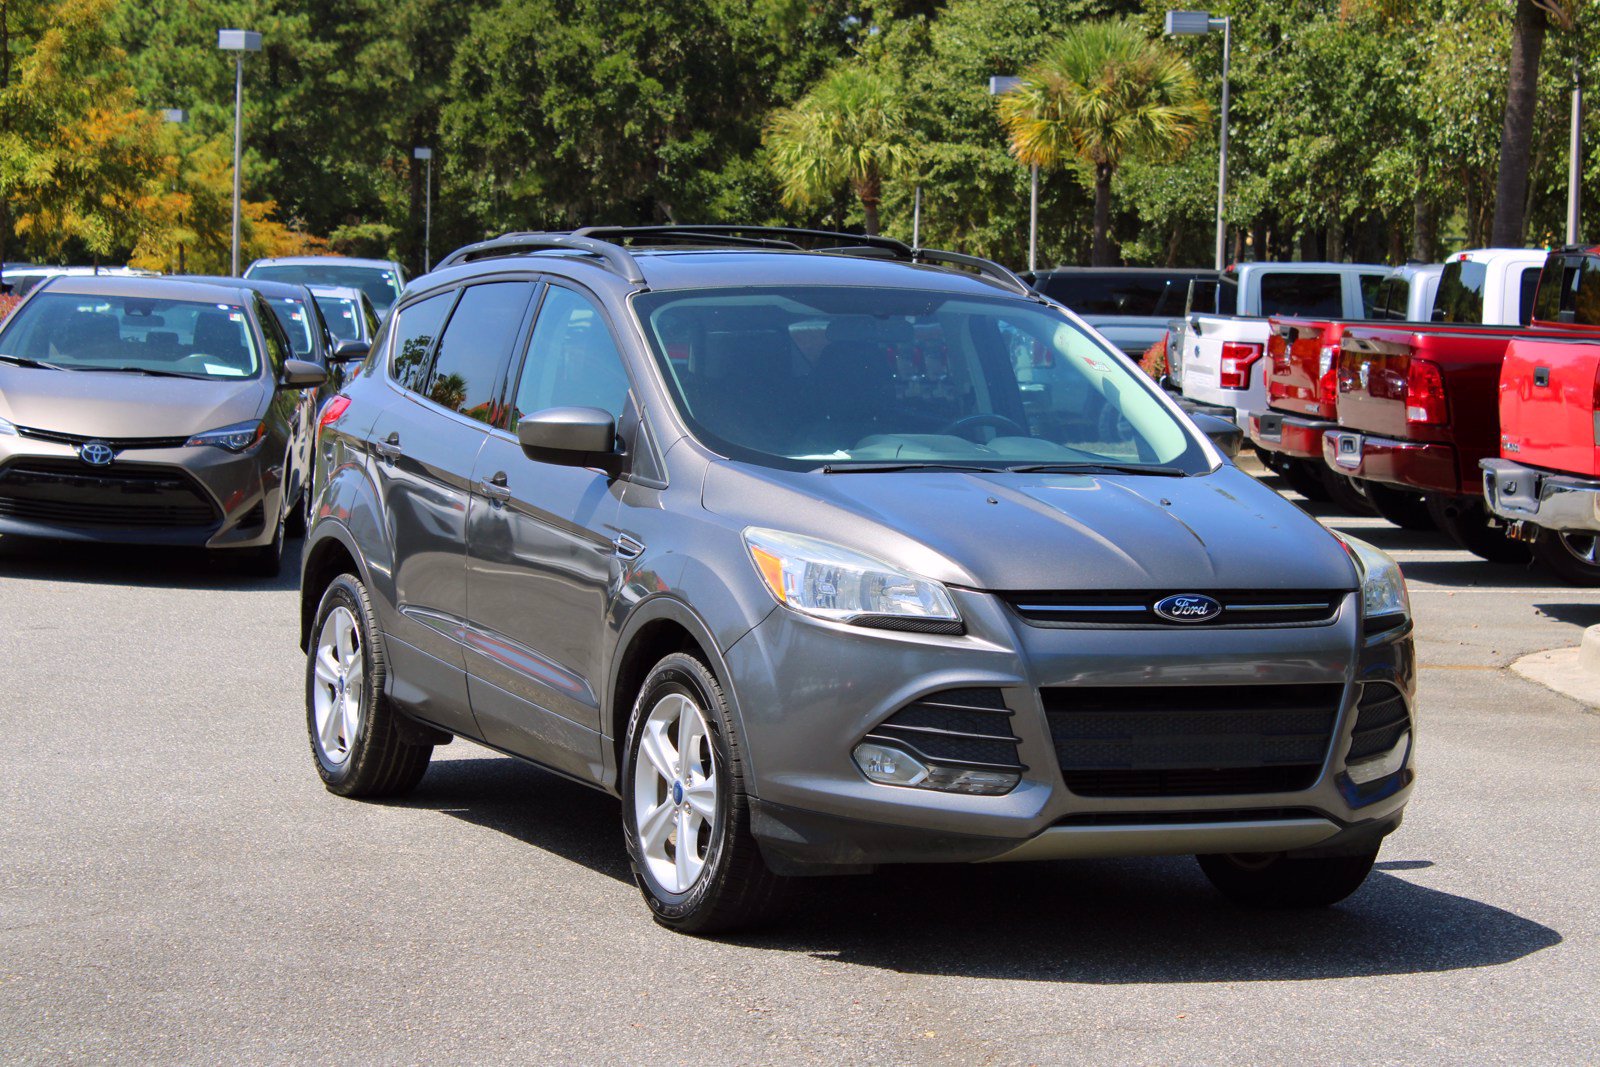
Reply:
x=1384, y=600
x=832, y=582
x=240, y=437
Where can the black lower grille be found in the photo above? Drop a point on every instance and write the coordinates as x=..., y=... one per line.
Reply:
x=955, y=726
x=1160, y=741
x=1381, y=720
x=1135, y=609
x=69, y=493
x=117, y=444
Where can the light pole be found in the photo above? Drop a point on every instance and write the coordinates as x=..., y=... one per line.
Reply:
x=1198, y=24
x=999, y=85
x=239, y=42
x=1575, y=164
x=426, y=155
x=177, y=116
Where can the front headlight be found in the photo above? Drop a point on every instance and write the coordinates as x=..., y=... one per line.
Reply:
x=831, y=582
x=240, y=437
x=1383, y=587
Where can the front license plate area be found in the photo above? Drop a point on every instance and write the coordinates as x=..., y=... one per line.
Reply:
x=1348, y=452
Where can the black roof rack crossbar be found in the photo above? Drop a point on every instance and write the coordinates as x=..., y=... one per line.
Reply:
x=614, y=256
x=986, y=267
x=688, y=235
x=790, y=235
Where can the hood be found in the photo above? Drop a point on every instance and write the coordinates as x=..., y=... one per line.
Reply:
x=1018, y=532
x=124, y=405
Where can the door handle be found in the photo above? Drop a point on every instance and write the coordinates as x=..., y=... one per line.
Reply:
x=627, y=548
x=389, y=447
x=495, y=488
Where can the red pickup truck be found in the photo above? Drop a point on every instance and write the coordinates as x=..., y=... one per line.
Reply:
x=1545, y=482
x=1418, y=409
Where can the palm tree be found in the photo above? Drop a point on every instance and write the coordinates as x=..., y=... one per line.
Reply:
x=849, y=130
x=1516, y=133
x=1105, y=94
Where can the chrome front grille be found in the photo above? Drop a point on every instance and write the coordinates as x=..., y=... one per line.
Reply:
x=1136, y=609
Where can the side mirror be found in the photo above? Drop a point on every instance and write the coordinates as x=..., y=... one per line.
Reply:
x=302, y=374
x=572, y=437
x=349, y=350
x=1225, y=435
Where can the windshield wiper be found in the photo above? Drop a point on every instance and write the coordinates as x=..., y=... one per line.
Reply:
x=147, y=371
x=890, y=468
x=1098, y=468
x=24, y=361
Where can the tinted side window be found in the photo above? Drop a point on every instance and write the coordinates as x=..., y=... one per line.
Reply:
x=572, y=361
x=1371, y=286
x=1528, y=285
x=1393, y=300
x=414, y=332
x=277, y=344
x=1460, y=295
x=475, y=347
x=1319, y=295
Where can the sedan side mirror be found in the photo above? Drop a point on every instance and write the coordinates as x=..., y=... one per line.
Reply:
x=302, y=374
x=349, y=350
x=1224, y=434
x=572, y=437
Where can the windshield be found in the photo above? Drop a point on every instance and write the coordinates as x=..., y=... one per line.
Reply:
x=381, y=285
x=803, y=377
x=343, y=316
x=1460, y=295
x=78, y=332
x=295, y=318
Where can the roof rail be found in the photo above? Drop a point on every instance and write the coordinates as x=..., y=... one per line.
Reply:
x=986, y=267
x=615, y=256
x=734, y=233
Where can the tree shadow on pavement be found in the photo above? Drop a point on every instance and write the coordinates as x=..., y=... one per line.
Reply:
x=147, y=566
x=536, y=807
x=1144, y=920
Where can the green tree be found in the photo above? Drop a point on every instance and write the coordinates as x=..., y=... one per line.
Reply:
x=848, y=131
x=1105, y=94
x=1516, y=138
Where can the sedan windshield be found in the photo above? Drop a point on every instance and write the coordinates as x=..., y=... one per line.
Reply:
x=381, y=286
x=808, y=377
x=132, y=335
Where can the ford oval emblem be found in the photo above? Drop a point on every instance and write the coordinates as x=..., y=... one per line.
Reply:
x=1188, y=607
x=96, y=453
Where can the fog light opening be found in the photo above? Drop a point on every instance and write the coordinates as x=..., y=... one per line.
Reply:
x=889, y=765
x=1383, y=765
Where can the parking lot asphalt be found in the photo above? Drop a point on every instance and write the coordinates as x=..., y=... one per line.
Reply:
x=176, y=885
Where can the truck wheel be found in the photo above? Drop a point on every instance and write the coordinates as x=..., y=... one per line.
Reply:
x=686, y=807
x=1345, y=492
x=1304, y=478
x=1466, y=521
x=1575, y=557
x=1280, y=880
x=1409, y=511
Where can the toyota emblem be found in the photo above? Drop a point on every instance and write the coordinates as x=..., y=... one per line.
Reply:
x=96, y=453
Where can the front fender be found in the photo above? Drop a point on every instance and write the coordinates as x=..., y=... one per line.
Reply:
x=347, y=507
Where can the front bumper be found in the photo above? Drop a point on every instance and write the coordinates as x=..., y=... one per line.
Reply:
x=202, y=496
x=808, y=690
x=1562, y=502
x=1289, y=435
x=1426, y=466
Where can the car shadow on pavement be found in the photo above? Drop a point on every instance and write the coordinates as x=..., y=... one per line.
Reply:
x=1474, y=572
x=1141, y=920
x=1577, y=614
x=534, y=806
x=1396, y=537
x=157, y=567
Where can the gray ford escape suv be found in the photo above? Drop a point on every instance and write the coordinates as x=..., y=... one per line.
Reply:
x=823, y=553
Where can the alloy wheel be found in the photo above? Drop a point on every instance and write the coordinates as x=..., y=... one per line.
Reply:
x=675, y=792
x=1584, y=547
x=337, y=695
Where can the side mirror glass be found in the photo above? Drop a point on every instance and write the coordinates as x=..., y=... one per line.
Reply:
x=1225, y=435
x=302, y=374
x=572, y=437
x=349, y=350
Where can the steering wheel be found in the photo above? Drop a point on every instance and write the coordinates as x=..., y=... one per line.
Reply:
x=984, y=418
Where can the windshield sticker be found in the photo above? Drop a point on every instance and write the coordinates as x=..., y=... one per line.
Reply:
x=222, y=370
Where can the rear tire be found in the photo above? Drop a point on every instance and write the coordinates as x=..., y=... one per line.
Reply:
x=1345, y=492
x=1280, y=880
x=683, y=781
x=1466, y=521
x=355, y=734
x=1574, y=557
x=1304, y=478
x=1407, y=510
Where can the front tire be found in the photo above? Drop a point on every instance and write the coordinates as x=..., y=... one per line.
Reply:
x=1466, y=521
x=266, y=560
x=1303, y=478
x=1574, y=557
x=1345, y=492
x=1278, y=880
x=355, y=734
x=686, y=807
x=1409, y=511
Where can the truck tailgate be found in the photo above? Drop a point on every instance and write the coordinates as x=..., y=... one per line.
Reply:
x=1547, y=404
x=1204, y=341
x=1300, y=354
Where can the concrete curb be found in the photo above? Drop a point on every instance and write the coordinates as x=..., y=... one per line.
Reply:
x=1572, y=672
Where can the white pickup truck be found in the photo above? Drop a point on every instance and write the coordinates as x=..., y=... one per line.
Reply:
x=1492, y=286
x=1214, y=353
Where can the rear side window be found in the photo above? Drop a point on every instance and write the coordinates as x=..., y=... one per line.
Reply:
x=1460, y=295
x=1394, y=297
x=414, y=334
x=475, y=347
x=1314, y=295
x=572, y=360
x=1372, y=286
x=1525, y=293
x=1118, y=293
